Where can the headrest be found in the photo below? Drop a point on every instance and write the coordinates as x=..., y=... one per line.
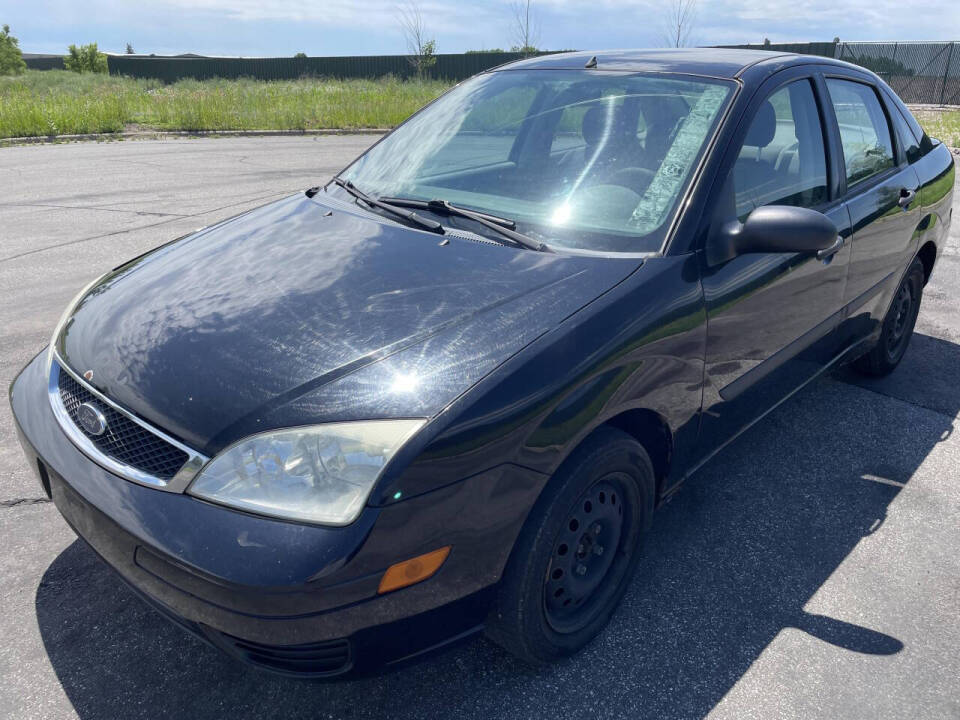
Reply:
x=594, y=122
x=763, y=128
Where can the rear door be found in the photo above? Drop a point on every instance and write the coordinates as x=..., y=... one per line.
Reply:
x=880, y=189
x=772, y=316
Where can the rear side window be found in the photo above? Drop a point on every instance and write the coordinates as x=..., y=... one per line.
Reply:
x=908, y=140
x=922, y=138
x=864, y=132
x=782, y=160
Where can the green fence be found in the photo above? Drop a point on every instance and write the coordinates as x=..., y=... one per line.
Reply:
x=44, y=63
x=826, y=49
x=919, y=72
x=447, y=67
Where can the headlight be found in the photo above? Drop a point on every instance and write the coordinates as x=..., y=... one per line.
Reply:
x=319, y=473
x=67, y=314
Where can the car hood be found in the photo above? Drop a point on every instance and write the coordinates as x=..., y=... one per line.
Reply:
x=241, y=327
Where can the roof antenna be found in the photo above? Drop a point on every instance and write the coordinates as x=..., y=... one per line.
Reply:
x=591, y=63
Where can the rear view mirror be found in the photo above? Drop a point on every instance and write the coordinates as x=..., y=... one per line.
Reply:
x=774, y=229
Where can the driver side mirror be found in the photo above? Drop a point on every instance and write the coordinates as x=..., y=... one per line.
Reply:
x=774, y=229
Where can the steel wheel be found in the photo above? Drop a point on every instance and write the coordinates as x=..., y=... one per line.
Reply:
x=577, y=551
x=583, y=553
x=902, y=309
x=897, y=327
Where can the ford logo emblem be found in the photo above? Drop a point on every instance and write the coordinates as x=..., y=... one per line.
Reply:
x=91, y=419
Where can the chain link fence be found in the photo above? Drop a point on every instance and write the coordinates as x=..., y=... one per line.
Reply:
x=919, y=72
x=926, y=73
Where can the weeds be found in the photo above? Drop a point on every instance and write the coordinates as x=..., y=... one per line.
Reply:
x=941, y=124
x=56, y=102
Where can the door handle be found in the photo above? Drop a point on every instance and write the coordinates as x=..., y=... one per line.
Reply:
x=832, y=250
x=906, y=197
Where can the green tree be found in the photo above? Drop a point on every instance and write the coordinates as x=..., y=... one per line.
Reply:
x=11, y=59
x=423, y=50
x=85, y=59
x=300, y=55
x=427, y=57
x=130, y=50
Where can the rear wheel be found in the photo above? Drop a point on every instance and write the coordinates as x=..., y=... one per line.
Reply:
x=577, y=551
x=897, y=326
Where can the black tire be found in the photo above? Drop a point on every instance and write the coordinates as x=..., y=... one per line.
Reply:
x=558, y=590
x=897, y=326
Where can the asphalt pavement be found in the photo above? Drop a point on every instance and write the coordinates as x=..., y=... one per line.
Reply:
x=812, y=570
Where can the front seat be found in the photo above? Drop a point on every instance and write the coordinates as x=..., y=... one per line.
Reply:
x=610, y=144
x=663, y=116
x=755, y=178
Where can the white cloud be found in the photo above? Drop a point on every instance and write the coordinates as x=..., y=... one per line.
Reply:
x=343, y=27
x=440, y=15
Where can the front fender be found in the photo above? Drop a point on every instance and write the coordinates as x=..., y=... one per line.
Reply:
x=640, y=346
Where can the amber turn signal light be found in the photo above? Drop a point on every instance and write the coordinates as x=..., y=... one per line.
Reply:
x=413, y=570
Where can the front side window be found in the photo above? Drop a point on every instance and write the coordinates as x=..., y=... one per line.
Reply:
x=782, y=160
x=864, y=132
x=579, y=159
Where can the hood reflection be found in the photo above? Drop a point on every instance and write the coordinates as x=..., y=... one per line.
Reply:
x=216, y=332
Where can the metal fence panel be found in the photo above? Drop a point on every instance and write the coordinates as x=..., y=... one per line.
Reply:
x=447, y=67
x=44, y=63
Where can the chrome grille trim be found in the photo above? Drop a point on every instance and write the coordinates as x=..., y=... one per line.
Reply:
x=178, y=483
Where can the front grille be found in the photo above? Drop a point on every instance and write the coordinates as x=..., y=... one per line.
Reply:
x=124, y=440
x=310, y=660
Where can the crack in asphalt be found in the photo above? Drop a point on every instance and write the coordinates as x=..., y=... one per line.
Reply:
x=140, y=227
x=96, y=208
x=87, y=239
x=17, y=502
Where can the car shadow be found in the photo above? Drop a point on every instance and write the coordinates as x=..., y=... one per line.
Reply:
x=731, y=562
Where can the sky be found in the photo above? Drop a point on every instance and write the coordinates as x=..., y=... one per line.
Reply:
x=351, y=27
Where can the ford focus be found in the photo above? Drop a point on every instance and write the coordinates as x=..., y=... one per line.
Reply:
x=446, y=391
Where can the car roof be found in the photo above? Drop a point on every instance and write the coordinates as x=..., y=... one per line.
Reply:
x=714, y=62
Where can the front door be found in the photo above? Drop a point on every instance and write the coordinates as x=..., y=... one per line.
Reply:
x=771, y=318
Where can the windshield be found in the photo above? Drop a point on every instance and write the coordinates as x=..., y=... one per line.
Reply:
x=579, y=159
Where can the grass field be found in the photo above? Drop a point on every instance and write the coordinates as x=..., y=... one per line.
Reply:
x=57, y=102
x=941, y=124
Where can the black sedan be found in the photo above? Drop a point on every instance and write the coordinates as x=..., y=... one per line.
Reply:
x=446, y=391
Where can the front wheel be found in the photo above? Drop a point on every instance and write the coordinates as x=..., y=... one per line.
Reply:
x=897, y=326
x=578, y=549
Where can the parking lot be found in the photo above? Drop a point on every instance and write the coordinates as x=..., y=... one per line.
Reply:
x=811, y=570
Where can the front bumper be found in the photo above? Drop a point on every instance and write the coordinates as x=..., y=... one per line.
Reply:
x=288, y=597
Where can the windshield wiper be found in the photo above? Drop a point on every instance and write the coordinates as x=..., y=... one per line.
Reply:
x=425, y=223
x=503, y=226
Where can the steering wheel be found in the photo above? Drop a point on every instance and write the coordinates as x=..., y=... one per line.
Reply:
x=634, y=178
x=604, y=202
x=789, y=150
